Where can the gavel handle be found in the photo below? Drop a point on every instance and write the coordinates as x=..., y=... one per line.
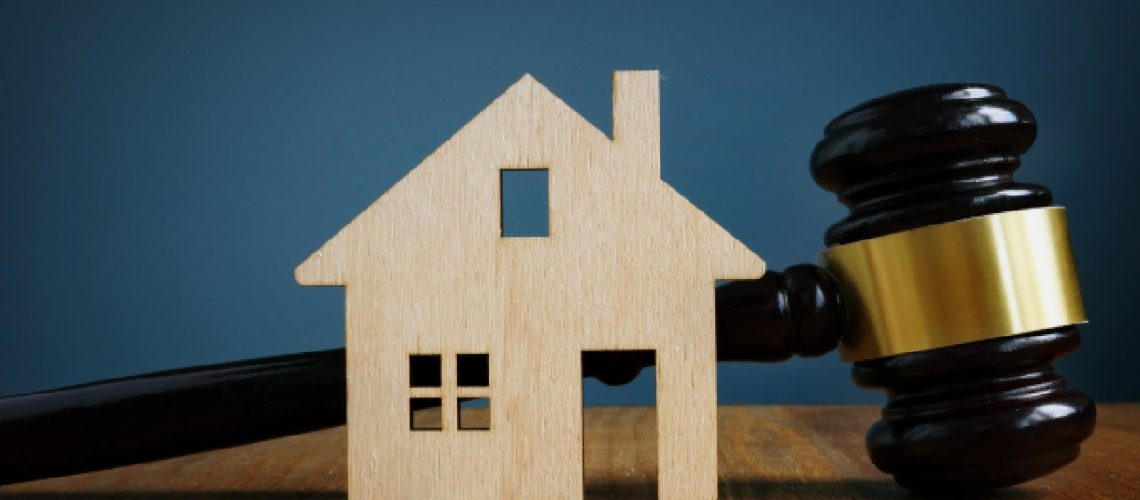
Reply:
x=157, y=415
x=169, y=413
x=798, y=312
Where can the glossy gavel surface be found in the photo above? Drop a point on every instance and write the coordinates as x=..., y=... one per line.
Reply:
x=156, y=415
x=979, y=415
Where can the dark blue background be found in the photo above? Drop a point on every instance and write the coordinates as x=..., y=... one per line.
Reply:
x=167, y=164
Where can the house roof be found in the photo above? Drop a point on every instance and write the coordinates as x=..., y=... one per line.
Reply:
x=523, y=126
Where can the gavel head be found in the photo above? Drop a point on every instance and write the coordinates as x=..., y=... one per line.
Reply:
x=959, y=288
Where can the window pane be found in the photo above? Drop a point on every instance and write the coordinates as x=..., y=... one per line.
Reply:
x=524, y=202
x=474, y=414
x=473, y=370
x=425, y=414
x=425, y=370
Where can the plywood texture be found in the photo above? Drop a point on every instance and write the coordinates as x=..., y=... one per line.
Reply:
x=628, y=264
x=764, y=452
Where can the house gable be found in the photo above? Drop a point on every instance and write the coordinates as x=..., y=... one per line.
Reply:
x=516, y=131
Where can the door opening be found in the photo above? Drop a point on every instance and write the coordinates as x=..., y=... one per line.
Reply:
x=619, y=426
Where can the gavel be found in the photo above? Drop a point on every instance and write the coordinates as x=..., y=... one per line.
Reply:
x=949, y=285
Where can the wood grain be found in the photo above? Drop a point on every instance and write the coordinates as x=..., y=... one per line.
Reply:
x=629, y=264
x=764, y=452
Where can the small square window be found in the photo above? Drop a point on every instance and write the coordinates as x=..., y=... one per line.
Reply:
x=426, y=414
x=475, y=414
x=472, y=370
x=425, y=370
x=524, y=202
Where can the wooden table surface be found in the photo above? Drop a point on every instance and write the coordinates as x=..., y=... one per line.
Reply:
x=765, y=451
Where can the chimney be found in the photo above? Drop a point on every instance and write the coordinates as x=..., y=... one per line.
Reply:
x=637, y=116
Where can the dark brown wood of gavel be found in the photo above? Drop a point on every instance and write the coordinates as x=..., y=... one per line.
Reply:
x=976, y=415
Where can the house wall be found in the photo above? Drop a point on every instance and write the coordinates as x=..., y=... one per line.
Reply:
x=533, y=449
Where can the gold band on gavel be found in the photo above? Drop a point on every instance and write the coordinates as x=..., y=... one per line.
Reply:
x=963, y=281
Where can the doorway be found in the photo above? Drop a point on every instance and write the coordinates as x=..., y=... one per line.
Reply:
x=619, y=424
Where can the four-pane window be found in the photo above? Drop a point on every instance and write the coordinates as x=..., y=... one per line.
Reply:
x=468, y=392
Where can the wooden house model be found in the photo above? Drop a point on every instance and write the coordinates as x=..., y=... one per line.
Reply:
x=433, y=289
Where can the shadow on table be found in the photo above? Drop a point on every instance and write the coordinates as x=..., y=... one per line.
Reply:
x=850, y=488
x=795, y=488
x=630, y=489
